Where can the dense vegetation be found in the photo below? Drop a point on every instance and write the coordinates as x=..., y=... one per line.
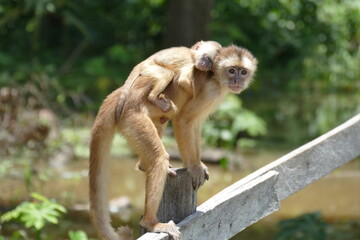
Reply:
x=67, y=55
x=76, y=52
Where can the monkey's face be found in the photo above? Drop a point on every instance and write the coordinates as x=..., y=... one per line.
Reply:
x=235, y=68
x=238, y=78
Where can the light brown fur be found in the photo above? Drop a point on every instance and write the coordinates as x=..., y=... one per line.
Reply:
x=161, y=68
x=142, y=127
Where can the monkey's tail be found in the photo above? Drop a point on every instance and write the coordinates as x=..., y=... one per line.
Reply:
x=102, y=135
x=122, y=98
x=121, y=104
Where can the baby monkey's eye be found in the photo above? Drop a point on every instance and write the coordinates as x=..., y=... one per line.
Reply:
x=243, y=72
x=231, y=70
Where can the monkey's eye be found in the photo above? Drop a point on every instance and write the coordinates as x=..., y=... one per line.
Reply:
x=243, y=72
x=231, y=70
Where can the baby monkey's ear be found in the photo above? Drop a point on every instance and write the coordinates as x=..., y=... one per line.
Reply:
x=196, y=46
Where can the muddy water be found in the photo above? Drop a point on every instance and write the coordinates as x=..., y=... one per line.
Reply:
x=337, y=195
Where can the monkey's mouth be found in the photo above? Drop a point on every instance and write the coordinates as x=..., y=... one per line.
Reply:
x=236, y=88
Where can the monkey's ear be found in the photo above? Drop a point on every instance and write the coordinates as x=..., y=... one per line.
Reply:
x=197, y=45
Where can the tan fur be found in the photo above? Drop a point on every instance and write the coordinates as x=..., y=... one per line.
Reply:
x=161, y=68
x=141, y=126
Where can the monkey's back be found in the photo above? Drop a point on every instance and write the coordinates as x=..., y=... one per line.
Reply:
x=173, y=58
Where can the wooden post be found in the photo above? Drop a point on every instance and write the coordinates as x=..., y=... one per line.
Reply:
x=179, y=198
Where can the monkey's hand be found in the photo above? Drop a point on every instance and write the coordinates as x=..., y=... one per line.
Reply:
x=204, y=64
x=169, y=228
x=199, y=174
x=171, y=172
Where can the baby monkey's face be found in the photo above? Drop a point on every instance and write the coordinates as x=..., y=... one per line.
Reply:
x=205, y=53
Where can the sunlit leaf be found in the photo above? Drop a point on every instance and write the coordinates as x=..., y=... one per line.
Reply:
x=39, y=197
x=77, y=235
x=37, y=213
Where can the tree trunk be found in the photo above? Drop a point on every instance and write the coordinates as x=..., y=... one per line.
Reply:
x=187, y=22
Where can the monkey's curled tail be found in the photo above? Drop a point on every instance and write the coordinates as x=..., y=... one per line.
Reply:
x=102, y=135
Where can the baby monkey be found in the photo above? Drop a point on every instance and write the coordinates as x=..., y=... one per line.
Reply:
x=162, y=67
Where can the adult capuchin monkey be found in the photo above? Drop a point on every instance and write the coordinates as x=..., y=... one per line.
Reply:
x=142, y=126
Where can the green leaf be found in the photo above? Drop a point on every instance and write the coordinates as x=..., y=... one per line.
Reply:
x=52, y=219
x=224, y=163
x=77, y=235
x=12, y=215
x=39, y=197
x=59, y=207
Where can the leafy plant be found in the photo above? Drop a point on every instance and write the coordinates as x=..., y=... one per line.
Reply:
x=231, y=120
x=35, y=214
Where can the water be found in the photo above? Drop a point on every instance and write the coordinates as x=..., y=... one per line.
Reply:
x=337, y=195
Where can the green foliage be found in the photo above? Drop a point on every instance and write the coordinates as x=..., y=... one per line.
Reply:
x=305, y=227
x=74, y=53
x=308, y=51
x=35, y=214
x=302, y=45
x=87, y=49
x=224, y=163
x=231, y=120
x=311, y=226
x=18, y=235
x=77, y=235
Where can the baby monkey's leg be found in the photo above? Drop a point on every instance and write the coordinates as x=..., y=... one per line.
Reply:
x=161, y=78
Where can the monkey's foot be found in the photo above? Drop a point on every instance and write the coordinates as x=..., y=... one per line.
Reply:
x=204, y=64
x=169, y=228
x=124, y=232
x=163, y=103
x=199, y=174
x=171, y=172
